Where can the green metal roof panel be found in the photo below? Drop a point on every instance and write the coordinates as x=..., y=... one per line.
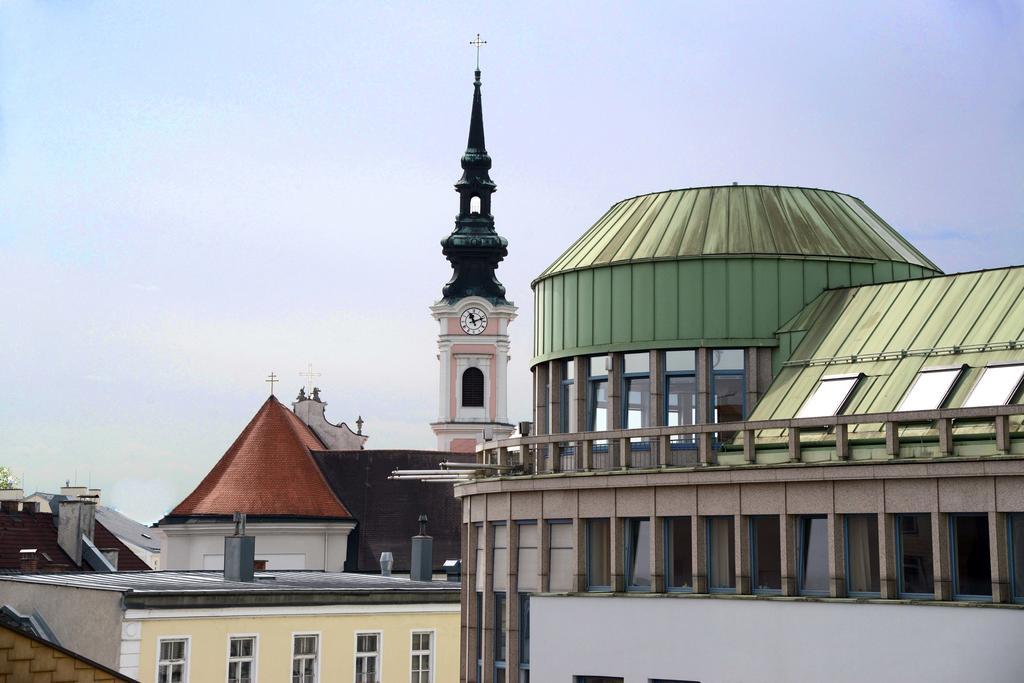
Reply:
x=890, y=331
x=738, y=220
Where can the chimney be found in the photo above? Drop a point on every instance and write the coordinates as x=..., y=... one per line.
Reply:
x=74, y=491
x=239, y=553
x=387, y=561
x=30, y=506
x=29, y=561
x=75, y=519
x=111, y=554
x=422, y=554
x=453, y=568
x=95, y=495
x=11, y=494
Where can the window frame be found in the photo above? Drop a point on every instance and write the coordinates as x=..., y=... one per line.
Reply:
x=255, y=654
x=680, y=442
x=713, y=384
x=186, y=673
x=800, y=550
x=959, y=374
x=500, y=616
x=752, y=533
x=524, y=633
x=565, y=396
x=954, y=570
x=547, y=548
x=854, y=377
x=636, y=443
x=728, y=590
x=846, y=557
x=378, y=653
x=1014, y=391
x=430, y=652
x=483, y=387
x=629, y=551
x=898, y=545
x=316, y=659
x=592, y=389
x=591, y=587
x=1016, y=591
x=668, y=552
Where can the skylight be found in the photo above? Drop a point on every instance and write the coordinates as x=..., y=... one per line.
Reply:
x=930, y=389
x=996, y=386
x=830, y=396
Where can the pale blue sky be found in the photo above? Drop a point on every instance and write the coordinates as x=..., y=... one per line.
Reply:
x=194, y=194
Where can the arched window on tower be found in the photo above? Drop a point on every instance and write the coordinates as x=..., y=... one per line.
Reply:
x=472, y=388
x=474, y=205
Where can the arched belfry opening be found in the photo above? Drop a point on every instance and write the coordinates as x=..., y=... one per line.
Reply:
x=472, y=388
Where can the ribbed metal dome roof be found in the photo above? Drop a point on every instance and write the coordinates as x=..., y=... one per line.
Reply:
x=738, y=220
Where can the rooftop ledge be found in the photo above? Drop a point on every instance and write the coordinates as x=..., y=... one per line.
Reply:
x=957, y=434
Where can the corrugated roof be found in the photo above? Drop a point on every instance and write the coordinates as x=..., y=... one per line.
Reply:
x=735, y=220
x=891, y=331
x=267, y=471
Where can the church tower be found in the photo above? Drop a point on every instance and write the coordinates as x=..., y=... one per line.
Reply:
x=473, y=313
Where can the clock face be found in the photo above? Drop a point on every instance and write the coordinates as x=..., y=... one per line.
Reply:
x=473, y=320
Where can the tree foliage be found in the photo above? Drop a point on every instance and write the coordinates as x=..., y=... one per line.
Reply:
x=7, y=478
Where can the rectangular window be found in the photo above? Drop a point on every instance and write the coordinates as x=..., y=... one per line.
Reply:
x=728, y=388
x=478, y=567
x=367, y=658
x=597, y=394
x=500, y=631
x=528, y=570
x=1016, y=523
x=172, y=664
x=681, y=394
x=422, y=664
x=599, y=555
x=997, y=386
x=597, y=679
x=241, y=659
x=499, y=557
x=930, y=389
x=971, y=559
x=812, y=551
x=679, y=554
x=638, y=554
x=567, y=396
x=765, y=554
x=830, y=396
x=561, y=557
x=524, y=636
x=721, y=554
x=636, y=379
x=305, y=650
x=479, y=636
x=914, y=548
x=862, y=566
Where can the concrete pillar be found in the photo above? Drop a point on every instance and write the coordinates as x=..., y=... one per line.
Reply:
x=999, y=552
x=580, y=368
x=657, y=554
x=704, y=413
x=545, y=555
x=615, y=391
x=512, y=603
x=580, y=580
x=487, y=651
x=787, y=547
x=699, y=536
x=472, y=608
x=888, y=572
x=751, y=365
x=541, y=398
x=742, y=534
x=465, y=593
x=618, y=545
x=657, y=405
x=836, y=557
x=940, y=556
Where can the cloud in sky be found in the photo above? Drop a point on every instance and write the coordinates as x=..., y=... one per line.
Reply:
x=194, y=195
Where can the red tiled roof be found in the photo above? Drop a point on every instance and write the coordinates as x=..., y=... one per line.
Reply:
x=267, y=471
x=20, y=530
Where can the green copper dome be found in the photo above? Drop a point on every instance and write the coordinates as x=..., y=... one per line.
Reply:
x=736, y=220
x=721, y=267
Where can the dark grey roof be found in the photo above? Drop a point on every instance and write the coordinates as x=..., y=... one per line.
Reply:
x=125, y=528
x=386, y=510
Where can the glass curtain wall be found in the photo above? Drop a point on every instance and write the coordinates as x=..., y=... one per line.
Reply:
x=765, y=554
x=679, y=554
x=812, y=572
x=914, y=540
x=638, y=554
x=972, y=561
x=728, y=388
x=681, y=394
x=862, y=566
x=721, y=555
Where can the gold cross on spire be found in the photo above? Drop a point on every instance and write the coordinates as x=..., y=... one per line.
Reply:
x=310, y=376
x=271, y=379
x=477, y=44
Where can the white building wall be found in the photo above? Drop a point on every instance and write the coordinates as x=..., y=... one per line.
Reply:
x=725, y=640
x=284, y=545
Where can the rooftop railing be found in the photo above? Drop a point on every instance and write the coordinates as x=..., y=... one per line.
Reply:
x=704, y=444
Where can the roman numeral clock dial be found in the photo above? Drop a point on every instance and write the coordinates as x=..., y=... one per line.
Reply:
x=473, y=321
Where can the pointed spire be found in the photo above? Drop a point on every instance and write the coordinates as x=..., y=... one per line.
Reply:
x=476, y=122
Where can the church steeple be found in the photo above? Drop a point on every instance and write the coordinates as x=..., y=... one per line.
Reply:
x=474, y=248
